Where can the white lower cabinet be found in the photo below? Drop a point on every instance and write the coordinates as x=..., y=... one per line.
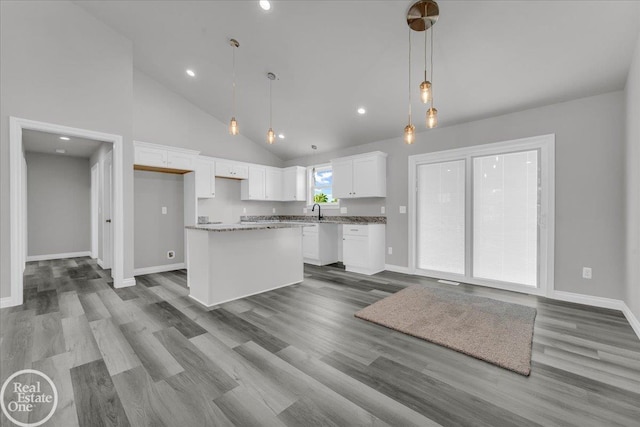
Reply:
x=363, y=248
x=320, y=244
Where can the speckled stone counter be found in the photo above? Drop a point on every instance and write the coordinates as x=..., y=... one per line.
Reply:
x=314, y=219
x=243, y=227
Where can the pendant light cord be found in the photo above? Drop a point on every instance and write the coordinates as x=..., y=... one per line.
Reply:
x=270, y=103
x=425, y=55
x=432, y=29
x=233, y=101
x=409, y=76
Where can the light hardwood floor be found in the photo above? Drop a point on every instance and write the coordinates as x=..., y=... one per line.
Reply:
x=150, y=356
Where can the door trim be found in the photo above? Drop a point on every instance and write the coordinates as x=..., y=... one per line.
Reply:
x=17, y=187
x=546, y=145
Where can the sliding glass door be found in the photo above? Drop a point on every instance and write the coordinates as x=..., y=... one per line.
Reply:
x=479, y=214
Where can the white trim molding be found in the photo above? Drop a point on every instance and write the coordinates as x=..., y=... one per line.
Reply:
x=131, y=281
x=7, y=302
x=58, y=256
x=158, y=269
x=17, y=188
x=397, y=268
x=614, y=304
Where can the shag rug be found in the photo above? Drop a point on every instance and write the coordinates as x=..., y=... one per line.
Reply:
x=494, y=331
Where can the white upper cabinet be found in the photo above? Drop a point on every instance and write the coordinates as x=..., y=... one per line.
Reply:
x=254, y=187
x=294, y=183
x=364, y=175
x=273, y=184
x=231, y=169
x=161, y=156
x=205, y=177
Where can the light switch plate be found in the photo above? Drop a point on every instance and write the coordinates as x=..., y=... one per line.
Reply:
x=383, y=209
x=164, y=210
x=244, y=210
x=343, y=210
x=403, y=209
x=274, y=210
x=304, y=210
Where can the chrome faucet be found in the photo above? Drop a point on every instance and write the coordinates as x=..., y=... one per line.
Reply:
x=313, y=209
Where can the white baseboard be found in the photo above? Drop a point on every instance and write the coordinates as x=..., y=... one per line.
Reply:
x=614, y=304
x=7, y=302
x=397, y=268
x=131, y=281
x=158, y=269
x=243, y=296
x=58, y=256
x=633, y=320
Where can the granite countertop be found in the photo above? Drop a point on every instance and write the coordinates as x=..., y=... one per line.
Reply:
x=275, y=219
x=242, y=227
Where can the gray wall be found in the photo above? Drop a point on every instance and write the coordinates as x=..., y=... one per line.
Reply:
x=58, y=64
x=590, y=162
x=227, y=206
x=58, y=204
x=633, y=184
x=155, y=233
x=161, y=116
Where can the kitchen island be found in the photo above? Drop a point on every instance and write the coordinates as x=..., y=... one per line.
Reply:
x=231, y=261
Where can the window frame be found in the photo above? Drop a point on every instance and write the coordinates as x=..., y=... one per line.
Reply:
x=311, y=187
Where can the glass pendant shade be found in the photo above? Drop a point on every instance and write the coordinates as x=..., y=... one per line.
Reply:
x=409, y=134
x=271, y=136
x=233, y=126
x=425, y=91
x=432, y=118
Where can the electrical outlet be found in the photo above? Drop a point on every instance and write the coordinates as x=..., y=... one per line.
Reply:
x=390, y=250
x=171, y=254
x=274, y=210
x=383, y=209
x=244, y=210
x=164, y=210
x=403, y=209
x=343, y=209
x=586, y=273
x=304, y=210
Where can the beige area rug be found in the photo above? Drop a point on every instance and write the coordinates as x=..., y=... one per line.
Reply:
x=494, y=331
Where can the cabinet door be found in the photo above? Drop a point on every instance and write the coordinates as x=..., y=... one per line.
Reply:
x=342, y=179
x=240, y=171
x=294, y=180
x=355, y=251
x=365, y=177
x=256, y=184
x=205, y=178
x=182, y=161
x=224, y=169
x=273, y=184
x=310, y=244
x=150, y=157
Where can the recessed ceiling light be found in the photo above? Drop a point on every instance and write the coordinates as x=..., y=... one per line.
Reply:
x=361, y=110
x=60, y=150
x=64, y=138
x=265, y=4
x=281, y=136
x=191, y=73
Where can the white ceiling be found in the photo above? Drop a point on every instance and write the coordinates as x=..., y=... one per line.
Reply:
x=44, y=142
x=491, y=57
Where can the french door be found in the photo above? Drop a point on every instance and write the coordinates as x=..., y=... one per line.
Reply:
x=481, y=214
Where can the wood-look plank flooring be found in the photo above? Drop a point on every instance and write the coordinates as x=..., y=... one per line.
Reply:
x=150, y=356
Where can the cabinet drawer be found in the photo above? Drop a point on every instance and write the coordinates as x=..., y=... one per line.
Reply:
x=355, y=230
x=313, y=228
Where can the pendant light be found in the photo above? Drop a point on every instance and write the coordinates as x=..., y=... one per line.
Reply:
x=233, y=125
x=425, y=86
x=422, y=16
x=409, y=130
x=271, y=135
x=432, y=113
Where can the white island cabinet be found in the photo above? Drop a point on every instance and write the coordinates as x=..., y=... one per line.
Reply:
x=232, y=261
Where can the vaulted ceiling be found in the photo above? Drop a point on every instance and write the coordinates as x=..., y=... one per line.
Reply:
x=331, y=57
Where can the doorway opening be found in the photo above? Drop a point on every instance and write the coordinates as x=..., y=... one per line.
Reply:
x=19, y=202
